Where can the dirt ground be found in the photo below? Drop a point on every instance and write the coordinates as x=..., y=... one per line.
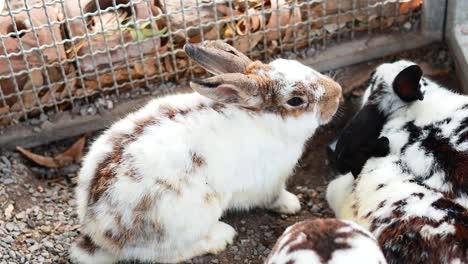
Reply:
x=37, y=209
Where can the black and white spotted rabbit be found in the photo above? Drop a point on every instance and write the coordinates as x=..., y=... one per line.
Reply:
x=415, y=199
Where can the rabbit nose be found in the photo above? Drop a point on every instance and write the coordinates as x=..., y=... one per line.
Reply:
x=332, y=88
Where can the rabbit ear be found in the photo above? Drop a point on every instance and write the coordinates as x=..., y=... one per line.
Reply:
x=230, y=88
x=218, y=57
x=406, y=84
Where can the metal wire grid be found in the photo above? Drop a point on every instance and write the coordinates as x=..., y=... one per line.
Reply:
x=55, y=65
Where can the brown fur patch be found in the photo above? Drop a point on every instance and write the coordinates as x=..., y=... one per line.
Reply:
x=117, y=239
x=165, y=185
x=381, y=204
x=145, y=204
x=141, y=125
x=354, y=208
x=255, y=66
x=171, y=112
x=218, y=107
x=328, y=103
x=402, y=242
x=210, y=197
x=197, y=160
x=141, y=230
x=85, y=243
x=105, y=173
x=321, y=237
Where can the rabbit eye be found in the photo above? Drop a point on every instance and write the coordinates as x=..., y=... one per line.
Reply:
x=295, y=101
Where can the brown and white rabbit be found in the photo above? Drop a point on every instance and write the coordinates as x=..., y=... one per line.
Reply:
x=331, y=241
x=154, y=186
x=415, y=199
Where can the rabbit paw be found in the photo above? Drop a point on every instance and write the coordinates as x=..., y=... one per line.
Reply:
x=286, y=203
x=220, y=236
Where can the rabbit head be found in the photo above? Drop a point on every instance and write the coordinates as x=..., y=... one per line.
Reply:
x=284, y=87
x=394, y=85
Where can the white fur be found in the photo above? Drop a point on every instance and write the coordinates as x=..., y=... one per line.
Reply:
x=100, y=257
x=247, y=160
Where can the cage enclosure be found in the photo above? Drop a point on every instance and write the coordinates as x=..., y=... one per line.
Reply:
x=72, y=66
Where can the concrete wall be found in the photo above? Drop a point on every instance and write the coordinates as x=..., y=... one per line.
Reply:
x=456, y=33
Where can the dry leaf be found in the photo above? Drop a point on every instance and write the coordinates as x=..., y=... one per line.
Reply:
x=279, y=17
x=431, y=70
x=341, y=6
x=72, y=154
x=272, y=47
x=139, y=69
x=47, y=98
x=296, y=18
x=228, y=31
x=70, y=85
x=29, y=97
x=407, y=7
x=4, y=110
x=168, y=65
x=41, y=160
x=226, y=10
x=255, y=22
x=198, y=70
x=242, y=42
x=213, y=33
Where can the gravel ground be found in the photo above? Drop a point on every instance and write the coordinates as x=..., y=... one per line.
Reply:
x=37, y=208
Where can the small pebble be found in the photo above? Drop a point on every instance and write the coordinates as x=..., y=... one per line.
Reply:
x=407, y=26
x=33, y=247
x=10, y=227
x=8, y=240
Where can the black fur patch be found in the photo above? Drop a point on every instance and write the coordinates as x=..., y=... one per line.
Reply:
x=360, y=141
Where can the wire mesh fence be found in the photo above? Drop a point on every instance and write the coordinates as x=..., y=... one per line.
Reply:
x=55, y=54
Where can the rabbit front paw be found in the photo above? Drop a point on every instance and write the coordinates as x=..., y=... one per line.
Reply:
x=219, y=238
x=286, y=203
